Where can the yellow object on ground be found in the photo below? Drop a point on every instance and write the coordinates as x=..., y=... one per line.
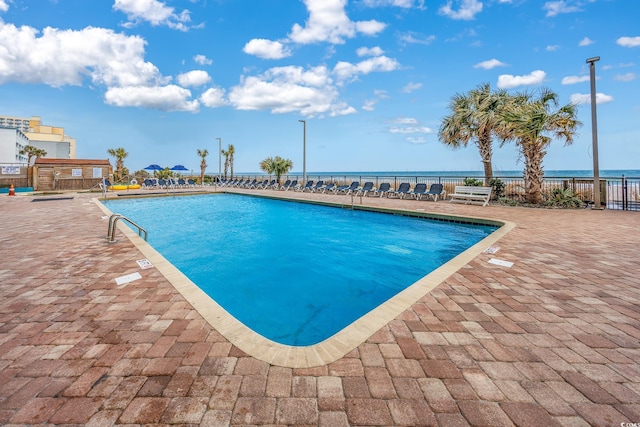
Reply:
x=124, y=187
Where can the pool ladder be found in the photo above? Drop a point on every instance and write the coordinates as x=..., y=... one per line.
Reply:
x=111, y=231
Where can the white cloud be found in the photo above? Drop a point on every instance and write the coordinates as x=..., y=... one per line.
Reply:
x=415, y=38
x=410, y=87
x=328, y=22
x=3, y=6
x=417, y=140
x=369, y=51
x=489, y=64
x=194, y=78
x=380, y=93
x=202, y=60
x=68, y=57
x=345, y=71
x=629, y=41
x=554, y=8
x=468, y=9
x=152, y=11
x=370, y=28
x=569, y=80
x=266, y=49
x=508, y=81
x=406, y=121
x=163, y=98
x=552, y=48
x=585, y=42
x=411, y=129
x=288, y=89
x=625, y=77
x=213, y=97
x=405, y=4
x=369, y=104
x=581, y=98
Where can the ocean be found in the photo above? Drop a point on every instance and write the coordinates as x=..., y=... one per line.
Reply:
x=612, y=173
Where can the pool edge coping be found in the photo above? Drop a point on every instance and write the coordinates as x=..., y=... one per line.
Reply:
x=345, y=340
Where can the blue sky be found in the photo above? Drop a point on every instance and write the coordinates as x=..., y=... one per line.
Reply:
x=372, y=78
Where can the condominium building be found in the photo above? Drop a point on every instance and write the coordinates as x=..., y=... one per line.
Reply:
x=12, y=141
x=51, y=139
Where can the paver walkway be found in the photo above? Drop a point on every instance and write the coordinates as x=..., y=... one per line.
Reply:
x=552, y=341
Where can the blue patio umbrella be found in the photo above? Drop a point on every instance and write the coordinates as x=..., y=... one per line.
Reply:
x=179, y=168
x=154, y=167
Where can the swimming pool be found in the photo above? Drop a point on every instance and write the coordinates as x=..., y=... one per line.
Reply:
x=295, y=273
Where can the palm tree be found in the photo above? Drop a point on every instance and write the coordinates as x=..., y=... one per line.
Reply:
x=474, y=117
x=226, y=162
x=120, y=154
x=31, y=152
x=533, y=121
x=203, y=163
x=276, y=165
x=231, y=150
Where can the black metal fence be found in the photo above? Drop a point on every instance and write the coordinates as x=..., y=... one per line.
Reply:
x=618, y=193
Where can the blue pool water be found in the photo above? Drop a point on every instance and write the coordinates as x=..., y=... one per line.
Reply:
x=296, y=273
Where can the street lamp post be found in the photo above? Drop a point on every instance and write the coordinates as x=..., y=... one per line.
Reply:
x=594, y=133
x=304, y=151
x=219, y=160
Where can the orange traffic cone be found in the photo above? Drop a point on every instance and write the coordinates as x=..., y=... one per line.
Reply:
x=12, y=191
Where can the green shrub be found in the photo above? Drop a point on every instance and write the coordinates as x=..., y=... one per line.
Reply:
x=473, y=182
x=497, y=186
x=508, y=202
x=563, y=198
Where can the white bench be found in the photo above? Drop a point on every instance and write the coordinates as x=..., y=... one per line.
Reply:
x=471, y=194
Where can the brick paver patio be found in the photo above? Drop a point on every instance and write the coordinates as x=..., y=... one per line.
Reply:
x=552, y=341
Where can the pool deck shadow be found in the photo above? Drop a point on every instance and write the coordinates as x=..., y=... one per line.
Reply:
x=552, y=340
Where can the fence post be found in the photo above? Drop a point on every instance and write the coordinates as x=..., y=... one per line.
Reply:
x=625, y=199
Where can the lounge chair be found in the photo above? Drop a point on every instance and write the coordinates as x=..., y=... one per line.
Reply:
x=355, y=185
x=266, y=184
x=249, y=184
x=191, y=183
x=434, y=191
x=325, y=188
x=316, y=187
x=259, y=184
x=383, y=190
x=366, y=188
x=274, y=184
x=292, y=184
x=286, y=184
x=418, y=191
x=401, y=192
x=150, y=183
x=307, y=186
x=345, y=188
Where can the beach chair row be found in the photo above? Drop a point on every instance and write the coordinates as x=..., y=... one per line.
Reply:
x=384, y=190
x=155, y=183
x=355, y=188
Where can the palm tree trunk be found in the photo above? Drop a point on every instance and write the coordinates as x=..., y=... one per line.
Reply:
x=231, y=164
x=486, y=152
x=533, y=172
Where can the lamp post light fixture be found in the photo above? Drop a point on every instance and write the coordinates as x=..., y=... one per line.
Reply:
x=594, y=133
x=219, y=160
x=304, y=151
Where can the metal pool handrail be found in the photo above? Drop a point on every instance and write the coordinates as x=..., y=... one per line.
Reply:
x=111, y=231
